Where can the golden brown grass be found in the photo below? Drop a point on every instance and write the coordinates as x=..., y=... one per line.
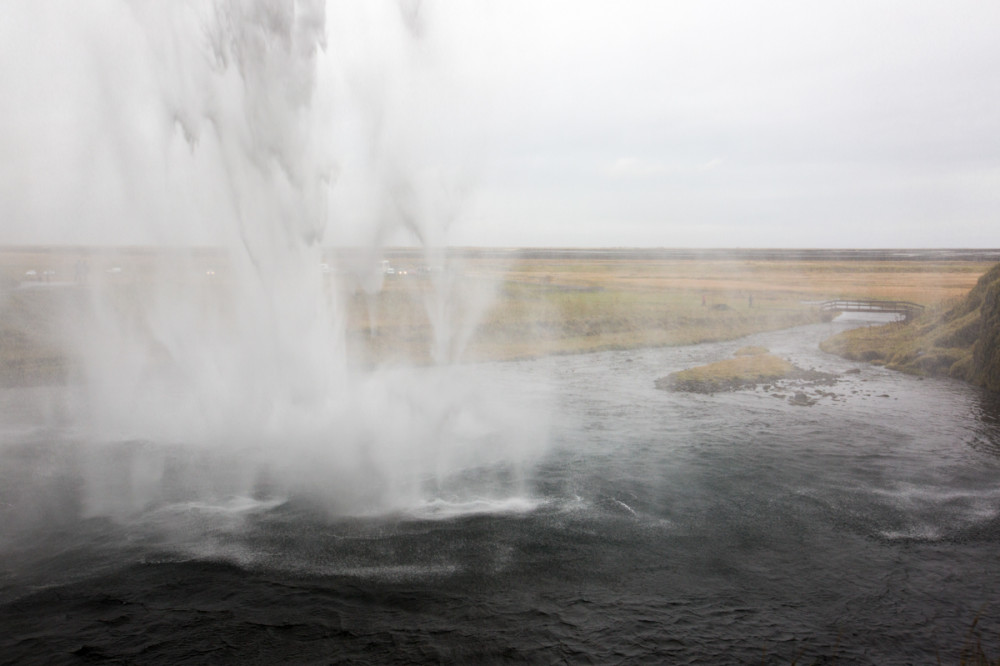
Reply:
x=941, y=341
x=489, y=308
x=921, y=282
x=751, y=350
x=730, y=373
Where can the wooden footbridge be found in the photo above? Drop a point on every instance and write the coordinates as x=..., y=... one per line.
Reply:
x=905, y=308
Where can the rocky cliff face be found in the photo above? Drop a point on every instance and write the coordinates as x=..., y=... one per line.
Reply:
x=985, y=369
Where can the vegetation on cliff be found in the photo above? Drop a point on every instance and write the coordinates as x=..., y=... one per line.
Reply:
x=986, y=351
x=957, y=339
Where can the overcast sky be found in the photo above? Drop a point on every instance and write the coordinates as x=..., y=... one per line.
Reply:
x=520, y=123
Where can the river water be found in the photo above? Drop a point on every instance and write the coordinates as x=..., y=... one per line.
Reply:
x=657, y=527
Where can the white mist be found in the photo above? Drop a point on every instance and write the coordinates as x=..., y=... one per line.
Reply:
x=244, y=120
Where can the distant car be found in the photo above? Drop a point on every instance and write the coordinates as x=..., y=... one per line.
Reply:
x=114, y=270
x=31, y=274
x=325, y=268
x=210, y=272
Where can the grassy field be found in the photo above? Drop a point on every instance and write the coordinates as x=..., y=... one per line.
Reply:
x=574, y=305
x=470, y=308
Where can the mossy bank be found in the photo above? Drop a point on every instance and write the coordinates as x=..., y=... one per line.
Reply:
x=958, y=339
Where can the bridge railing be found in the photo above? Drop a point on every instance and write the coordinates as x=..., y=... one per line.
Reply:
x=906, y=308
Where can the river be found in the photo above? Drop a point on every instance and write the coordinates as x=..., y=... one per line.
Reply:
x=656, y=527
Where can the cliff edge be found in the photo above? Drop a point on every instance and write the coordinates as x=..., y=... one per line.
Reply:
x=986, y=351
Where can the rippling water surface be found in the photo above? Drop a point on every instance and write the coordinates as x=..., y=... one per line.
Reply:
x=659, y=527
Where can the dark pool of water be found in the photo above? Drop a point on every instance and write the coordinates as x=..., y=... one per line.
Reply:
x=658, y=527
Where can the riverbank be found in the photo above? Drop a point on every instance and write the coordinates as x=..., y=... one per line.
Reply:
x=958, y=339
x=741, y=501
x=474, y=306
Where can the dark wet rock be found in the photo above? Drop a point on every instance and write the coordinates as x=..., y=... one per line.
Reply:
x=815, y=377
x=801, y=399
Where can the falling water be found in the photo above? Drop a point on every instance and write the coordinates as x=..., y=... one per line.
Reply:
x=246, y=119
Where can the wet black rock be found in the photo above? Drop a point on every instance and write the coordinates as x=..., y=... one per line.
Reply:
x=801, y=399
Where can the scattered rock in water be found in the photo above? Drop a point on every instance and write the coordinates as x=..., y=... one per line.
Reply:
x=853, y=371
x=801, y=399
